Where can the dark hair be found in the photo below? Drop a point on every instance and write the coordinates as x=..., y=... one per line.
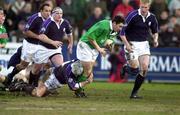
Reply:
x=42, y=6
x=1, y=9
x=118, y=19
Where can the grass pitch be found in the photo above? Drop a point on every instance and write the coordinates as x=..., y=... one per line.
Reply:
x=103, y=99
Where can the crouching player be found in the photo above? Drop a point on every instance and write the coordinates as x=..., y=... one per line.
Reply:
x=68, y=73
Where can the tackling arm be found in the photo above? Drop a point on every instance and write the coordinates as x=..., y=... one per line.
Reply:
x=31, y=34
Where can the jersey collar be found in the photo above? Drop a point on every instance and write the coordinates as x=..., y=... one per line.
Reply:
x=110, y=22
x=58, y=24
x=40, y=15
x=112, y=32
x=144, y=18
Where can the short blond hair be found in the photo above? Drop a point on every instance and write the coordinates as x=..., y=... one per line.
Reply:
x=145, y=1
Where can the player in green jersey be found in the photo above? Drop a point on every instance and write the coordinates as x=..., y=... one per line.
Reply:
x=3, y=33
x=93, y=41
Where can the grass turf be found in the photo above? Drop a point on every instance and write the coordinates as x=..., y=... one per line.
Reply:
x=103, y=99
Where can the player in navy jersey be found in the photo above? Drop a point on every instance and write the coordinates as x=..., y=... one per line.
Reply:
x=140, y=24
x=67, y=73
x=30, y=46
x=54, y=28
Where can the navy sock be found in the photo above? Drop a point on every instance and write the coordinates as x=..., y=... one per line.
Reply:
x=138, y=82
x=11, y=75
x=33, y=79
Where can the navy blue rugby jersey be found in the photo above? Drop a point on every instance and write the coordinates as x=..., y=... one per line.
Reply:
x=65, y=75
x=34, y=24
x=55, y=31
x=138, y=28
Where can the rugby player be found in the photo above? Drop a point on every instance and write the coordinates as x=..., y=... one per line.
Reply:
x=135, y=37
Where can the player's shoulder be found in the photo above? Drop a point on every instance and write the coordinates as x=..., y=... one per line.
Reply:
x=103, y=23
x=47, y=21
x=66, y=21
x=152, y=15
x=34, y=16
x=132, y=13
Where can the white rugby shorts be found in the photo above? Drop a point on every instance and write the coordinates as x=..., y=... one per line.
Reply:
x=52, y=82
x=43, y=54
x=85, y=53
x=28, y=51
x=139, y=49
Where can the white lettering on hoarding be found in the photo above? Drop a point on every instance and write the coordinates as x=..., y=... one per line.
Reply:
x=164, y=64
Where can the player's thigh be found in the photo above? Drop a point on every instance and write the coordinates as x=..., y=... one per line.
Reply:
x=85, y=53
x=144, y=62
x=28, y=51
x=57, y=60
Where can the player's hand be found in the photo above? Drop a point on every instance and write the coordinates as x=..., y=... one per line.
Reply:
x=129, y=48
x=155, y=43
x=57, y=44
x=102, y=51
x=80, y=93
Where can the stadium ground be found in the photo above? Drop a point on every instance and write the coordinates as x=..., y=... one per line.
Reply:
x=103, y=99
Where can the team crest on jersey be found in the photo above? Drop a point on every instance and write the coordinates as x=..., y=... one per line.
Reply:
x=27, y=26
x=149, y=24
x=43, y=29
x=64, y=29
x=70, y=80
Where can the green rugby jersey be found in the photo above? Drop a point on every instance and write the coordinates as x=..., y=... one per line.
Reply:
x=100, y=32
x=2, y=31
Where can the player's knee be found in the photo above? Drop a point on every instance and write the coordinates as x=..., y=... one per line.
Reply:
x=143, y=72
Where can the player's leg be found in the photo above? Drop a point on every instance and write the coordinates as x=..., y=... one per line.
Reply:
x=22, y=65
x=132, y=67
x=88, y=67
x=50, y=84
x=56, y=59
x=144, y=62
x=35, y=74
x=39, y=91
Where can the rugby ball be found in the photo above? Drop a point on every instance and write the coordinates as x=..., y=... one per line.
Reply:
x=108, y=42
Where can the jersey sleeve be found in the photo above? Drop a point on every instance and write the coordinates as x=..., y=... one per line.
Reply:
x=128, y=20
x=68, y=28
x=70, y=79
x=95, y=32
x=154, y=26
x=31, y=23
